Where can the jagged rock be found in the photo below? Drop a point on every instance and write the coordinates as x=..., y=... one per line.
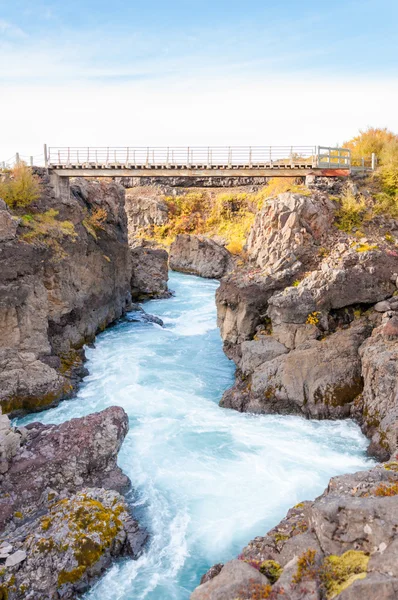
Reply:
x=64, y=551
x=77, y=453
x=8, y=225
x=254, y=353
x=287, y=228
x=47, y=285
x=211, y=573
x=149, y=273
x=242, y=302
x=318, y=379
x=353, y=278
x=236, y=579
x=144, y=208
x=201, y=256
x=379, y=356
x=63, y=527
x=355, y=514
x=10, y=442
x=15, y=559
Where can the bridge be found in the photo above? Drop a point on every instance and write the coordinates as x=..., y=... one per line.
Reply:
x=218, y=161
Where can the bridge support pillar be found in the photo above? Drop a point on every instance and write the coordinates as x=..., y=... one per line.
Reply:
x=61, y=186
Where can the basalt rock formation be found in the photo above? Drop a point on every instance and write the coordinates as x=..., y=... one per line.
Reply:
x=201, y=256
x=343, y=545
x=144, y=209
x=62, y=518
x=64, y=276
x=150, y=273
x=312, y=322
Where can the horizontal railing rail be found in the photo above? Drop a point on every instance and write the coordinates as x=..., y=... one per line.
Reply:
x=168, y=157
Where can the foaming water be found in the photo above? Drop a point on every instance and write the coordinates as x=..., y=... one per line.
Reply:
x=206, y=480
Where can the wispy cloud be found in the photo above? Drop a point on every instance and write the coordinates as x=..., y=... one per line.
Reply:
x=10, y=30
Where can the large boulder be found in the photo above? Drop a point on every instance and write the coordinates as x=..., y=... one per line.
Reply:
x=242, y=303
x=150, y=273
x=343, y=545
x=201, y=256
x=319, y=379
x=63, y=457
x=236, y=579
x=62, y=518
x=345, y=278
x=62, y=553
x=288, y=228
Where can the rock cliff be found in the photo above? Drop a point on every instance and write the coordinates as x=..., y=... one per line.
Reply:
x=298, y=320
x=343, y=545
x=64, y=275
x=201, y=256
x=62, y=518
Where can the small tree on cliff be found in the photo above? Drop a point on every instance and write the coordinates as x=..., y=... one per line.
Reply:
x=20, y=188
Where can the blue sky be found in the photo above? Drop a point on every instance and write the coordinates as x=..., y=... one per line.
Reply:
x=334, y=64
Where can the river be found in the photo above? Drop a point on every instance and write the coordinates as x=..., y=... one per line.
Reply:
x=205, y=479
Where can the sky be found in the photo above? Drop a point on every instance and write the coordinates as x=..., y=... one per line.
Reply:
x=181, y=72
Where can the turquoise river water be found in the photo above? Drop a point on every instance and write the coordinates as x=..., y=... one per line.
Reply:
x=205, y=479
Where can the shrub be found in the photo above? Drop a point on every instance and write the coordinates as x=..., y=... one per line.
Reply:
x=389, y=168
x=95, y=221
x=305, y=566
x=46, y=228
x=351, y=212
x=21, y=188
x=371, y=140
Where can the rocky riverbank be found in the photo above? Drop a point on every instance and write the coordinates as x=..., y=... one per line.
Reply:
x=63, y=519
x=311, y=323
x=66, y=273
x=343, y=545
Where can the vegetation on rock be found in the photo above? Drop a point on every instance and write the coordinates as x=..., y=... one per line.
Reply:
x=20, y=188
x=226, y=215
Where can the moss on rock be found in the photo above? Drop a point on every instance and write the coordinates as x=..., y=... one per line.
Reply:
x=339, y=572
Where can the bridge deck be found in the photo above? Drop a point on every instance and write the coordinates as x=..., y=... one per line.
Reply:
x=240, y=161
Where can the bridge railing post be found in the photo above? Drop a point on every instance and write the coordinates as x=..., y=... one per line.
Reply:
x=45, y=156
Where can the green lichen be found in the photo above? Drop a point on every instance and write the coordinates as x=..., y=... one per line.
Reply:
x=18, y=515
x=339, y=572
x=3, y=592
x=391, y=466
x=72, y=576
x=271, y=569
x=46, y=523
x=45, y=545
x=280, y=537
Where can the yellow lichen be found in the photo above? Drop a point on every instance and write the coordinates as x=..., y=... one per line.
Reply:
x=305, y=566
x=313, y=318
x=339, y=572
x=271, y=569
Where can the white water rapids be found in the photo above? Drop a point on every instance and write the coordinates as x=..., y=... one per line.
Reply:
x=205, y=479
